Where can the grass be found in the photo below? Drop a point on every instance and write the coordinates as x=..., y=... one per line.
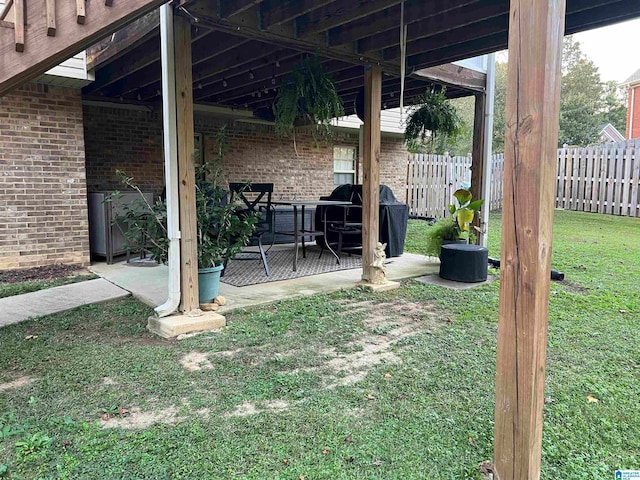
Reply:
x=421, y=407
x=18, y=288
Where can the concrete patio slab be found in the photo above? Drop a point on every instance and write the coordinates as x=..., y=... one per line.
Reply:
x=57, y=299
x=434, y=279
x=149, y=284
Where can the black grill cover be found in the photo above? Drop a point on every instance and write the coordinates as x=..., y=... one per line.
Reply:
x=394, y=216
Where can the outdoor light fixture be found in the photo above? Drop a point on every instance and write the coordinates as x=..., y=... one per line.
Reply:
x=273, y=80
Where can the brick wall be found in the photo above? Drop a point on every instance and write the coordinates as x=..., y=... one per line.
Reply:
x=633, y=113
x=131, y=140
x=43, y=202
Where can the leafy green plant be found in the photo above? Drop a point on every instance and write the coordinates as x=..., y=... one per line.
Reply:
x=222, y=230
x=33, y=446
x=464, y=212
x=434, y=115
x=307, y=93
x=6, y=429
x=4, y=469
x=455, y=228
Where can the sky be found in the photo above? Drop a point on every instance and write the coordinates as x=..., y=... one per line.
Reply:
x=613, y=49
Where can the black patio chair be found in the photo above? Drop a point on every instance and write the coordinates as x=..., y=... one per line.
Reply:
x=256, y=200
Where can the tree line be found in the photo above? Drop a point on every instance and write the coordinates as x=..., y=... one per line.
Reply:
x=586, y=103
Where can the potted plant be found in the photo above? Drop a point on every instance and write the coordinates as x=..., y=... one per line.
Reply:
x=307, y=93
x=456, y=228
x=432, y=116
x=223, y=228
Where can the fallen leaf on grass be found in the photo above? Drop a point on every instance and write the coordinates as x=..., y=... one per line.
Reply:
x=472, y=441
x=31, y=337
x=301, y=477
x=348, y=439
x=123, y=411
x=592, y=399
x=549, y=400
x=371, y=396
x=325, y=452
x=623, y=311
x=378, y=463
x=285, y=461
x=387, y=375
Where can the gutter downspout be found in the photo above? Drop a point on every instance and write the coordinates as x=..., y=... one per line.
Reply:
x=488, y=147
x=169, y=124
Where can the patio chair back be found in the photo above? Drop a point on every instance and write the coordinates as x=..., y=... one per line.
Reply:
x=256, y=200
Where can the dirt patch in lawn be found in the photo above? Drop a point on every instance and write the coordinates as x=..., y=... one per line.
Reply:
x=136, y=419
x=247, y=408
x=50, y=272
x=194, y=361
x=386, y=324
x=17, y=383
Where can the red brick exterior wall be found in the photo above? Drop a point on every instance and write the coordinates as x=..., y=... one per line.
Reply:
x=132, y=141
x=43, y=198
x=633, y=113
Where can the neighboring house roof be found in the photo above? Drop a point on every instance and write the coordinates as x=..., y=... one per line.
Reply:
x=633, y=79
x=608, y=131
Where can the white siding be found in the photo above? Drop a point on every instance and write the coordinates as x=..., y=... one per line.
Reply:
x=389, y=121
x=72, y=72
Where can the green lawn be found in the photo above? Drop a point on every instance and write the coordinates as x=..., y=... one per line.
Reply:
x=353, y=385
x=18, y=288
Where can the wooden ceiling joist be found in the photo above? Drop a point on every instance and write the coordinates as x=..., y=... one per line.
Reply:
x=276, y=12
x=389, y=20
x=233, y=7
x=339, y=13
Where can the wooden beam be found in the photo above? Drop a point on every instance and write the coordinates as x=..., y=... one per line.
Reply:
x=454, y=75
x=122, y=41
x=43, y=53
x=277, y=12
x=414, y=11
x=532, y=112
x=339, y=13
x=81, y=12
x=245, y=24
x=438, y=23
x=186, y=167
x=232, y=7
x=5, y=9
x=51, y=17
x=477, y=156
x=467, y=33
x=371, y=172
x=18, y=25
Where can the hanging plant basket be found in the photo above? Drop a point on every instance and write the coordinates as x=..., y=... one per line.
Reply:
x=433, y=116
x=307, y=93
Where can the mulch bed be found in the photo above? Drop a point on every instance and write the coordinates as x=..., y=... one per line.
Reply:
x=38, y=273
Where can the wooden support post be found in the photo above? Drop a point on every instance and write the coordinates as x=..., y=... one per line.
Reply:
x=51, y=17
x=186, y=168
x=478, y=154
x=80, y=11
x=18, y=24
x=371, y=173
x=532, y=110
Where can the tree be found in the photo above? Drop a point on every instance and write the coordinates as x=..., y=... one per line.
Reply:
x=585, y=101
x=615, y=107
x=581, y=97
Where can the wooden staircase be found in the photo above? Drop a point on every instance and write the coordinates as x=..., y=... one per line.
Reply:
x=37, y=35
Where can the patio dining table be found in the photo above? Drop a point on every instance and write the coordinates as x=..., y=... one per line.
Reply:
x=299, y=231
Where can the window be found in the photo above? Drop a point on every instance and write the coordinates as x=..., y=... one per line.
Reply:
x=344, y=165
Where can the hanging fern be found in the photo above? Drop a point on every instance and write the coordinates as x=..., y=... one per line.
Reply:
x=307, y=92
x=434, y=115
